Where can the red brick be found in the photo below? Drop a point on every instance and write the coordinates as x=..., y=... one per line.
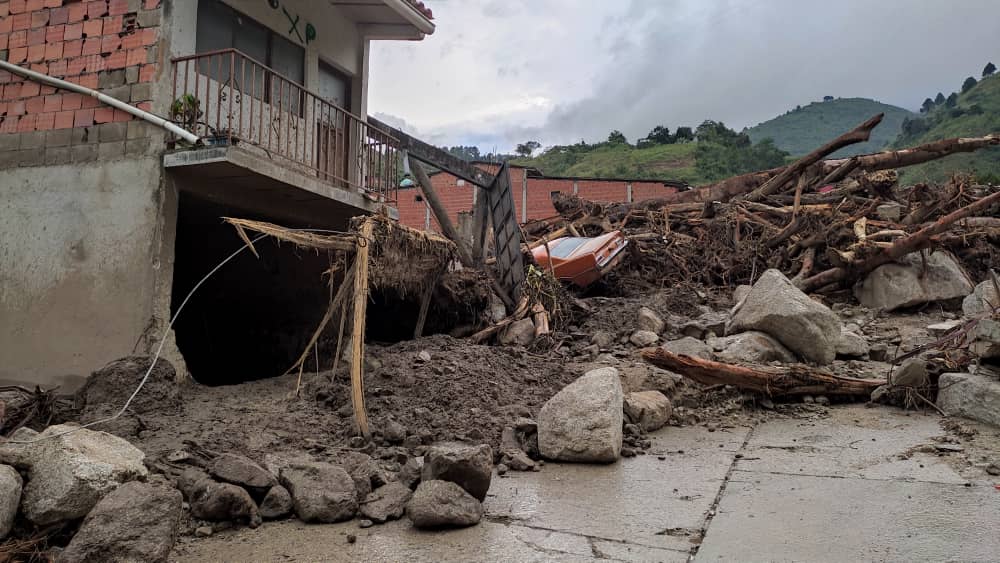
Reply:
x=115, y=60
x=73, y=31
x=3, y=108
x=73, y=48
x=29, y=88
x=122, y=116
x=4, y=40
x=147, y=73
x=39, y=67
x=132, y=40
x=21, y=21
x=135, y=57
x=58, y=16
x=55, y=33
x=5, y=77
x=91, y=46
x=151, y=4
x=46, y=90
x=6, y=24
x=9, y=125
x=16, y=108
x=53, y=102
x=53, y=51
x=76, y=12
x=92, y=28
x=112, y=25
x=72, y=100
x=36, y=53
x=117, y=7
x=104, y=114
x=89, y=102
x=88, y=81
x=76, y=66
x=110, y=43
x=12, y=91
x=97, y=9
x=149, y=36
x=18, y=39
x=4, y=10
x=53, y=3
x=40, y=18
x=34, y=105
x=145, y=106
x=17, y=6
x=35, y=37
x=32, y=5
x=83, y=118
x=64, y=120
x=26, y=123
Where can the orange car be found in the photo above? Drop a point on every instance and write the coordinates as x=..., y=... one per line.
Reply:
x=582, y=260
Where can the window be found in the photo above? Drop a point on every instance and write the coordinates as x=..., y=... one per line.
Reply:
x=221, y=27
x=334, y=86
x=566, y=246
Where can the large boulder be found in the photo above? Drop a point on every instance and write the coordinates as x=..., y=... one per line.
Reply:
x=914, y=280
x=983, y=299
x=442, y=504
x=69, y=469
x=321, y=492
x=468, y=466
x=276, y=504
x=689, y=346
x=135, y=522
x=10, y=497
x=852, y=344
x=386, y=503
x=780, y=309
x=222, y=502
x=239, y=470
x=975, y=396
x=583, y=421
x=649, y=409
x=750, y=347
x=409, y=474
x=363, y=469
x=647, y=319
x=986, y=340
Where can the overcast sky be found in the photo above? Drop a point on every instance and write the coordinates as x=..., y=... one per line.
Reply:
x=499, y=72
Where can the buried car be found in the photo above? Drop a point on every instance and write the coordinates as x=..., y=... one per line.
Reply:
x=582, y=260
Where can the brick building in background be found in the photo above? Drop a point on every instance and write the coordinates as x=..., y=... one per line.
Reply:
x=532, y=194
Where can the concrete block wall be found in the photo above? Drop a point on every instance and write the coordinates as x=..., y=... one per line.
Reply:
x=108, y=45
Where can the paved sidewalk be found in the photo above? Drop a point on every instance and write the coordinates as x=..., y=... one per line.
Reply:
x=857, y=485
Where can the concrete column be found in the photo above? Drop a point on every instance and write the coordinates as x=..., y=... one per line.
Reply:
x=628, y=192
x=576, y=187
x=524, y=196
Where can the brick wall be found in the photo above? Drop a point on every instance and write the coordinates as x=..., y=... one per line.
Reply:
x=109, y=45
x=458, y=198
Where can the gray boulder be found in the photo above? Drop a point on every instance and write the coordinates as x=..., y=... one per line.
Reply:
x=780, y=309
x=321, y=492
x=409, y=474
x=521, y=333
x=750, y=347
x=583, y=421
x=909, y=283
x=974, y=396
x=983, y=299
x=643, y=338
x=363, y=470
x=468, y=466
x=911, y=373
x=442, y=504
x=135, y=522
x=70, y=469
x=689, y=346
x=986, y=343
x=649, y=409
x=10, y=497
x=223, y=502
x=740, y=293
x=851, y=344
x=649, y=320
x=239, y=470
x=706, y=325
x=602, y=339
x=276, y=504
x=386, y=503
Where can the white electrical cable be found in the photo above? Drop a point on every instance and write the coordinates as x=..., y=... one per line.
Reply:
x=159, y=348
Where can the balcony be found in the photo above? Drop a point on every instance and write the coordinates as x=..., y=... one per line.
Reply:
x=252, y=118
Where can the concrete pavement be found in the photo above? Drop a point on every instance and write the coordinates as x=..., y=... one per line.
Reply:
x=850, y=484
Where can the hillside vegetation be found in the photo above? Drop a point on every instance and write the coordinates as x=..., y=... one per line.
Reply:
x=974, y=113
x=801, y=130
x=660, y=162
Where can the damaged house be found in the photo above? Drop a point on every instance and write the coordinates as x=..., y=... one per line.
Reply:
x=109, y=220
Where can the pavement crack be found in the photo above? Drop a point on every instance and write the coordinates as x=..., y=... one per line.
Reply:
x=722, y=491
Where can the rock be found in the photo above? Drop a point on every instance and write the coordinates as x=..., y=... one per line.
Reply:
x=648, y=320
x=878, y=352
x=223, y=502
x=650, y=379
x=468, y=466
x=851, y=344
x=365, y=523
x=974, y=396
x=649, y=409
x=70, y=469
x=823, y=400
x=424, y=356
x=602, y=339
x=108, y=388
x=643, y=338
x=10, y=498
x=203, y=531
x=583, y=421
x=239, y=470
x=363, y=470
x=440, y=504
x=321, y=492
x=135, y=522
x=521, y=333
x=502, y=469
x=986, y=343
x=394, y=432
x=276, y=504
x=982, y=299
x=908, y=283
x=511, y=453
x=940, y=329
x=526, y=425
x=891, y=211
x=409, y=474
x=689, y=346
x=776, y=307
x=710, y=323
x=386, y=503
x=911, y=373
x=740, y=293
x=752, y=347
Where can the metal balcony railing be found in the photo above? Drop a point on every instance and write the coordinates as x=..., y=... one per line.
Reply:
x=228, y=98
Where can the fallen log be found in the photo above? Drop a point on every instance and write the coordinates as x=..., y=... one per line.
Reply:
x=784, y=381
x=918, y=154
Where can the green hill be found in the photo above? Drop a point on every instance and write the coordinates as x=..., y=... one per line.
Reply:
x=976, y=113
x=805, y=128
x=660, y=162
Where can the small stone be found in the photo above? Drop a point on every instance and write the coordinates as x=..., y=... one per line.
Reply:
x=993, y=469
x=644, y=338
x=649, y=320
x=808, y=399
x=878, y=352
x=276, y=504
x=438, y=504
x=424, y=356
x=501, y=469
x=365, y=523
x=395, y=433
x=351, y=538
x=628, y=452
x=602, y=339
x=203, y=531
x=386, y=503
x=471, y=467
x=823, y=400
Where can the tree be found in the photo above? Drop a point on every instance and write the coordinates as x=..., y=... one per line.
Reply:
x=525, y=149
x=827, y=98
x=683, y=135
x=939, y=99
x=969, y=84
x=927, y=106
x=660, y=135
x=951, y=101
x=616, y=137
x=989, y=70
